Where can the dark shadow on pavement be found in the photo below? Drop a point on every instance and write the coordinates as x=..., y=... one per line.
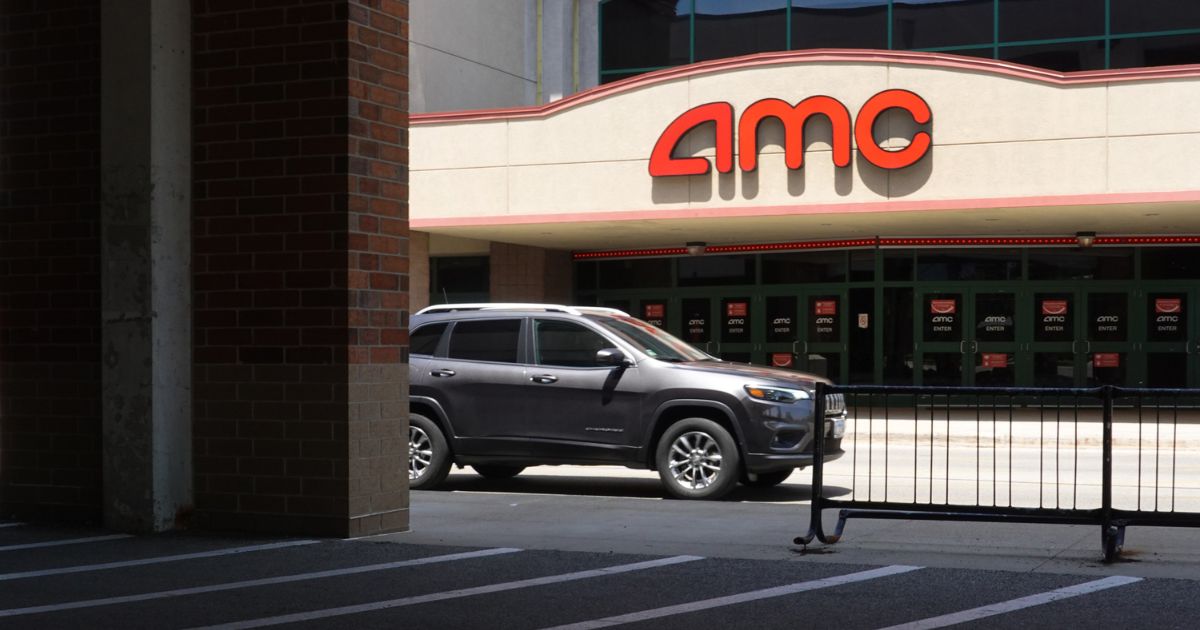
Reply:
x=530, y=482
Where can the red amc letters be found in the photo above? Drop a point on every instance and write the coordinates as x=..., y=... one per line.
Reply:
x=662, y=164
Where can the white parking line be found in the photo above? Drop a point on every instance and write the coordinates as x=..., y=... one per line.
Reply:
x=437, y=597
x=1017, y=604
x=70, y=541
x=3, y=525
x=229, y=586
x=729, y=600
x=134, y=563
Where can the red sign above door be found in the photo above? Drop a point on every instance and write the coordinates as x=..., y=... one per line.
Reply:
x=1106, y=360
x=736, y=309
x=1054, y=307
x=782, y=359
x=1168, y=305
x=655, y=311
x=825, y=307
x=995, y=360
x=943, y=307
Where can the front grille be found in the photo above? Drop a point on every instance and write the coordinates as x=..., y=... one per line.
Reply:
x=835, y=404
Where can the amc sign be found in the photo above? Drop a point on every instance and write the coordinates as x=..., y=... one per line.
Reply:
x=793, y=117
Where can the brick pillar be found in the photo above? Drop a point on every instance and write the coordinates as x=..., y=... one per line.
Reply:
x=300, y=269
x=520, y=273
x=50, y=260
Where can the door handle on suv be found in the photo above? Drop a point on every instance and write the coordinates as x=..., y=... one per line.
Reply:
x=441, y=373
x=544, y=379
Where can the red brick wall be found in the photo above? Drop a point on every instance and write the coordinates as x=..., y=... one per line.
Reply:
x=300, y=226
x=49, y=259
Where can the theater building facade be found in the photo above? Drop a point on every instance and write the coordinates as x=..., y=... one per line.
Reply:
x=877, y=216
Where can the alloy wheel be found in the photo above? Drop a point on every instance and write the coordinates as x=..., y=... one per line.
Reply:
x=695, y=460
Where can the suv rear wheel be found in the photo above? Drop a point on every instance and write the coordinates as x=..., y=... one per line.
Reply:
x=697, y=459
x=497, y=471
x=428, y=454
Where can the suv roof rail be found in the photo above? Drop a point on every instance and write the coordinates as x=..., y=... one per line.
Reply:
x=517, y=306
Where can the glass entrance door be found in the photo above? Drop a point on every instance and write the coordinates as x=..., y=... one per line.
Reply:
x=967, y=337
x=1082, y=338
x=806, y=330
x=1169, y=327
x=696, y=323
x=735, y=340
x=1056, y=319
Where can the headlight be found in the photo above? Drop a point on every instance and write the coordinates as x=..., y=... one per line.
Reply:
x=777, y=394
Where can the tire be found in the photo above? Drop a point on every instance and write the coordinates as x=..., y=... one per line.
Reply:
x=497, y=471
x=767, y=479
x=428, y=453
x=697, y=459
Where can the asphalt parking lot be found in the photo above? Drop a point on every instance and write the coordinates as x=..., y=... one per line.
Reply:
x=67, y=578
x=688, y=573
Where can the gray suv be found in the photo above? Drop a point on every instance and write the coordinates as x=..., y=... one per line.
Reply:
x=500, y=387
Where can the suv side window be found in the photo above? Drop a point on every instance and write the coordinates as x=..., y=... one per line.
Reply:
x=424, y=340
x=485, y=340
x=566, y=344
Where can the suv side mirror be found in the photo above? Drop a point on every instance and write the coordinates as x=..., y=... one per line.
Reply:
x=611, y=357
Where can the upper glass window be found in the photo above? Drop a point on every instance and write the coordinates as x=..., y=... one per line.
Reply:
x=730, y=29
x=1066, y=35
x=941, y=23
x=635, y=273
x=1144, y=16
x=1064, y=57
x=645, y=34
x=1171, y=263
x=705, y=271
x=485, y=340
x=966, y=264
x=1025, y=20
x=839, y=24
x=1141, y=52
x=1107, y=263
x=458, y=279
x=803, y=267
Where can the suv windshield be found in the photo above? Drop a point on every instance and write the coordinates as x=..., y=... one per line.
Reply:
x=651, y=340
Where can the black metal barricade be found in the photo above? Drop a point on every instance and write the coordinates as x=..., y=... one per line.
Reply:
x=1021, y=455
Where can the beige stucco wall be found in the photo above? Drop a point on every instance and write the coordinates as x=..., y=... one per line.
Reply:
x=995, y=136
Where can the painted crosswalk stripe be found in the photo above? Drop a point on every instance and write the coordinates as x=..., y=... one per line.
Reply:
x=463, y=592
x=1017, y=604
x=3, y=525
x=229, y=586
x=69, y=541
x=739, y=598
x=83, y=568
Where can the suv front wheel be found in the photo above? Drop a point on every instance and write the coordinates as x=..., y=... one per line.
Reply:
x=697, y=459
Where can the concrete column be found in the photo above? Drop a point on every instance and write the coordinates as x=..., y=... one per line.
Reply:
x=145, y=134
x=557, y=29
x=589, y=43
